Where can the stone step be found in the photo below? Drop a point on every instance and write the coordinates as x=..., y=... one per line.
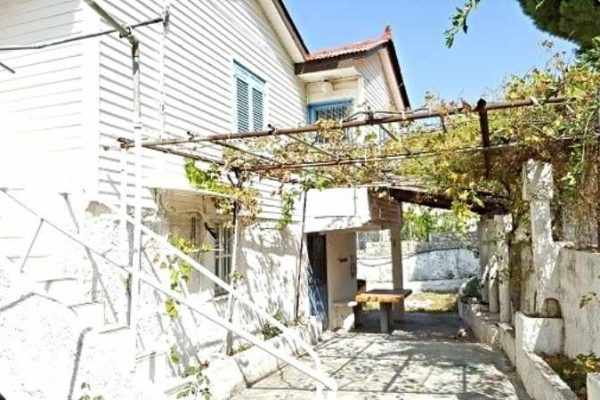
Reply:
x=291, y=394
x=67, y=290
x=107, y=362
x=90, y=314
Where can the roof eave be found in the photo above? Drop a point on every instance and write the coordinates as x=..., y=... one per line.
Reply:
x=291, y=27
x=398, y=72
x=330, y=63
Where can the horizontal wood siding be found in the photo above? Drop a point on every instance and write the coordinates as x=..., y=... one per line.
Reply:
x=42, y=105
x=376, y=89
x=204, y=39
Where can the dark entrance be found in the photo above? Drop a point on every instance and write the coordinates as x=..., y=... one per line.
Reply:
x=317, y=276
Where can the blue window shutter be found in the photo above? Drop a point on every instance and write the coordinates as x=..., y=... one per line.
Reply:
x=250, y=101
x=243, y=106
x=257, y=109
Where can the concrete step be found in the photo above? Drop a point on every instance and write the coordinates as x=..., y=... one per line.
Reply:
x=107, y=363
x=68, y=290
x=90, y=314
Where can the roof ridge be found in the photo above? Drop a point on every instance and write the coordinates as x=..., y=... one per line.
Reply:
x=355, y=47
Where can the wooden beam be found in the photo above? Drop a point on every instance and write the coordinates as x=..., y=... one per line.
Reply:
x=491, y=205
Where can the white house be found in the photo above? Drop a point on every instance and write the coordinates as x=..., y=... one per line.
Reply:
x=216, y=66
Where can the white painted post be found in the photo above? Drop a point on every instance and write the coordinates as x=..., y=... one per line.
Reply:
x=538, y=190
x=503, y=227
x=493, y=288
x=484, y=257
x=138, y=151
x=231, y=299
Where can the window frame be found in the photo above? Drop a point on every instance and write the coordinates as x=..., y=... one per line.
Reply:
x=313, y=108
x=223, y=255
x=255, y=83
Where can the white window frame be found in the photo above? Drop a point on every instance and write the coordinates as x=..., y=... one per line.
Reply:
x=223, y=254
x=254, y=82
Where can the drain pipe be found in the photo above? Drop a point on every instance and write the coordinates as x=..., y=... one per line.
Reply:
x=126, y=32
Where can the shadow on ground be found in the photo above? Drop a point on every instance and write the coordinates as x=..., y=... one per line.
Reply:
x=421, y=359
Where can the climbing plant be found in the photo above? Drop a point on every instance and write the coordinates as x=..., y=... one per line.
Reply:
x=199, y=385
x=563, y=134
x=421, y=223
x=180, y=271
x=210, y=179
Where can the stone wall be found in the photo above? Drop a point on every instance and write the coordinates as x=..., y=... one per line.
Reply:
x=567, y=281
x=440, y=265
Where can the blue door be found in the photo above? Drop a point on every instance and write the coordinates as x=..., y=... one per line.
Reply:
x=317, y=276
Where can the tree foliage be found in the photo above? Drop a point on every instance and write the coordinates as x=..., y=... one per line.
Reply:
x=574, y=20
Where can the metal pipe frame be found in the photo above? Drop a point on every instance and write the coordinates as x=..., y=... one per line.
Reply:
x=127, y=33
x=414, y=116
x=397, y=156
x=43, y=45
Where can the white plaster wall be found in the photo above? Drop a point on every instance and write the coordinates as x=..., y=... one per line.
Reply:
x=593, y=385
x=341, y=278
x=579, y=276
x=46, y=353
x=336, y=209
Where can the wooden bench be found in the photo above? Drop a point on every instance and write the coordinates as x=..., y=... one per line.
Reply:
x=385, y=298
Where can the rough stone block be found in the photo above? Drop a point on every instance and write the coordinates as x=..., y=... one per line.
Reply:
x=538, y=182
x=539, y=335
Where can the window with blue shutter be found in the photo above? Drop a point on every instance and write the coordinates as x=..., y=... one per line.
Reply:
x=250, y=99
x=243, y=106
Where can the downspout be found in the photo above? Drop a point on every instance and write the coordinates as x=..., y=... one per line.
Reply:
x=127, y=33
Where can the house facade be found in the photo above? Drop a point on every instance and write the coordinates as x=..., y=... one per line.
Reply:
x=216, y=66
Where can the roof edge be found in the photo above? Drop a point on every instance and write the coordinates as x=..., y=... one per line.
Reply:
x=292, y=27
x=385, y=42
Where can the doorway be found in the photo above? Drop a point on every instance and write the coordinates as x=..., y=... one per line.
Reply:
x=317, y=277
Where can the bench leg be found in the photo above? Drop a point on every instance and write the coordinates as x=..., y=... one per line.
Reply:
x=385, y=318
x=357, y=315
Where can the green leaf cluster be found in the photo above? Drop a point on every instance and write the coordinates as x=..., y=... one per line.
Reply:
x=574, y=371
x=200, y=386
x=210, y=180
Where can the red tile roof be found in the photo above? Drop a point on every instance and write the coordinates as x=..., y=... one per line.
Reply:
x=354, y=48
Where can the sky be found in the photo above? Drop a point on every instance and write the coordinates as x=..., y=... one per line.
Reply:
x=501, y=41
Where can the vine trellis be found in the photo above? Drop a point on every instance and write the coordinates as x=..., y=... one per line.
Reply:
x=470, y=161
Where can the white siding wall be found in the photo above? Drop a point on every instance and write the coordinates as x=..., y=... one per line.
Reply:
x=205, y=37
x=376, y=91
x=43, y=104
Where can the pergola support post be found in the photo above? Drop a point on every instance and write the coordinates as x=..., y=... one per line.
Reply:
x=397, y=273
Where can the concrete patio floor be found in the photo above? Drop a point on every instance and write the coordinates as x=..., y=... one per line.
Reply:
x=420, y=360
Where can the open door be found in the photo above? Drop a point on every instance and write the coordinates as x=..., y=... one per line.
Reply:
x=317, y=276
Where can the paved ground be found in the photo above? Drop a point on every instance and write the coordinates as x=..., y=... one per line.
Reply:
x=420, y=360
